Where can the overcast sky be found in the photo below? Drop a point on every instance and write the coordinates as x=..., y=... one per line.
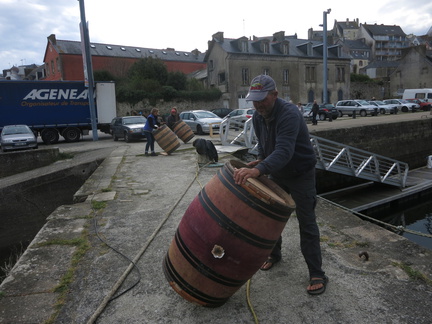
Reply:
x=185, y=25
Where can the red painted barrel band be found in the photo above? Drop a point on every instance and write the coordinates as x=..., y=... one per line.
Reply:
x=171, y=274
x=226, y=223
x=271, y=211
x=202, y=268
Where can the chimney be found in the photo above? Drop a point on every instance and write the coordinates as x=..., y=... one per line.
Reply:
x=52, y=39
x=219, y=36
x=279, y=36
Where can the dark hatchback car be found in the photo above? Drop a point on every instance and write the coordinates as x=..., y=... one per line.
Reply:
x=221, y=112
x=128, y=127
x=325, y=112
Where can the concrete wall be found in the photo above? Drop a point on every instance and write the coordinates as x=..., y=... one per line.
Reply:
x=20, y=161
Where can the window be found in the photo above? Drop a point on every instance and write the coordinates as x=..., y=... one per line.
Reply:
x=211, y=65
x=285, y=49
x=245, y=76
x=340, y=74
x=310, y=74
x=285, y=76
x=244, y=46
x=266, y=71
x=266, y=47
x=221, y=78
x=58, y=64
x=52, y=67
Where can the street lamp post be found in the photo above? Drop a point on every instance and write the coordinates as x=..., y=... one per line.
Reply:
x=325, y=92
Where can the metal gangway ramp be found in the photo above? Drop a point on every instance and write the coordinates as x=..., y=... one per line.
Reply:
x=348, y=160
x=332, y=156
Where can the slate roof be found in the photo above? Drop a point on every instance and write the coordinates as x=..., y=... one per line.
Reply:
x=387, y=30
x=99, y=49
x=297, y=47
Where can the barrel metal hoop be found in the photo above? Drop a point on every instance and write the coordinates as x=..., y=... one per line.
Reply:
x=231, y=227
x=202, y=268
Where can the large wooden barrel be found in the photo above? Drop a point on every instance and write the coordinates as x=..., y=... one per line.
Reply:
x=183, y=131
x=225, y=235
x=166, y=139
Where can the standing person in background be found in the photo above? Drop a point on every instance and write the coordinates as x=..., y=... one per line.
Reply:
x=152, y=123
x=173, y=118
x=314, y=111
x=286, y=154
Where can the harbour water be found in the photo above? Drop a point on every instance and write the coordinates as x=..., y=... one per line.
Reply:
x=415, y=216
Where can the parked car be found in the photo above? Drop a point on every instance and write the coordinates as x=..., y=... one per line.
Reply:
x=324, y=112
x=17, y=137
x=384, y=108
x=360, y=107
x=239, y=116
x=128, y=127
x=200, y=120
x=221, y=112
x=424, y=104
x=403, y=105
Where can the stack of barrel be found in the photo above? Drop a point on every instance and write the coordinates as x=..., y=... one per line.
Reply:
x=225, y=235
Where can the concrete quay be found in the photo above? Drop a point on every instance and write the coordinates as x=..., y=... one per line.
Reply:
x=134, y=204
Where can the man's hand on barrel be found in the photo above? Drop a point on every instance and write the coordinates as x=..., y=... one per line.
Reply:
x=242, y=174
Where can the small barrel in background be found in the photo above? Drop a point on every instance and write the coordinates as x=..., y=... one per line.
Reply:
x=166, y=139
x=183, y=131
x=224, y=237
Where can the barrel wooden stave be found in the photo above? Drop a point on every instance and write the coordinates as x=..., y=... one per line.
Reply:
x=166, y=139
x=183, y=131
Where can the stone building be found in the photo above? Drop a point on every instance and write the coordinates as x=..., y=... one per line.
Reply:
x=414, y=70
x=295, y=64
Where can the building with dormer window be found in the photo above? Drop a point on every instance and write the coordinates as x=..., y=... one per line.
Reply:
x=295, y=64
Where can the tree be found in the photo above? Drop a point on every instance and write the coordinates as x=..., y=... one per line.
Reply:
x=177, y=80
x=149, y=69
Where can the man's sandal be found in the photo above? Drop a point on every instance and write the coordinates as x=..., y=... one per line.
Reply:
x=269, y=263
x=318, y=291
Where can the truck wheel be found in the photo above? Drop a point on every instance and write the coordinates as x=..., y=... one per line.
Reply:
x=71, y=134
x=50, y=136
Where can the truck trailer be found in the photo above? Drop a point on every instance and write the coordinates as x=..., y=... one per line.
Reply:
x=56, y=108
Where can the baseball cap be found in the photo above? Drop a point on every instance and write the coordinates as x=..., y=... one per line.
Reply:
x=260, y=86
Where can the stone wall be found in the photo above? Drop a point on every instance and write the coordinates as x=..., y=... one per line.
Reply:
x=164, y=107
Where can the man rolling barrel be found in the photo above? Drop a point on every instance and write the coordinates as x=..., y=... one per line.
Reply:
x=286, y=155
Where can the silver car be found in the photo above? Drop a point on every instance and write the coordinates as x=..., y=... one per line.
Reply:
x=201, y=120
x=17, y=137
x=403, y=105
x=360, y=107
x=238, y=117
x=384, y=108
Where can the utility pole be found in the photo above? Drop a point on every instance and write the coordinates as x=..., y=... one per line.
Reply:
x=325, y=70
x=88, y=69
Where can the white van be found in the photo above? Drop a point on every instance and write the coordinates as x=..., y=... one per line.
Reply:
x=425, y=94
